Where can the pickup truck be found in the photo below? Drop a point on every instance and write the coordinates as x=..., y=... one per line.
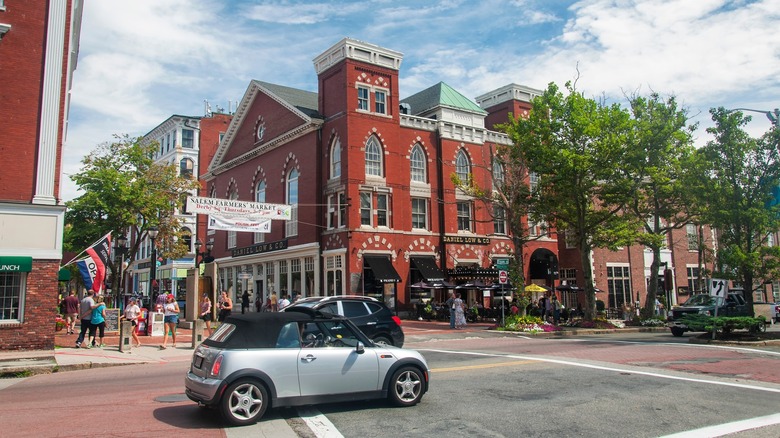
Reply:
x=733, y=305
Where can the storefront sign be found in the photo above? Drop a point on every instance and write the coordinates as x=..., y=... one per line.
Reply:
x=15, y=264
x=260, y=248
x=467, y=240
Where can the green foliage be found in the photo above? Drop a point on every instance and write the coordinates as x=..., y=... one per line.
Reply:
x=576, y=147
x=124, y=189
x=723, y=324
x=738, y=188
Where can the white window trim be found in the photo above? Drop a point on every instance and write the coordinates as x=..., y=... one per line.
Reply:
x=372, y=100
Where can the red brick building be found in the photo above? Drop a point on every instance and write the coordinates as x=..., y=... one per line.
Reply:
x=368, y=176
x=38, y=48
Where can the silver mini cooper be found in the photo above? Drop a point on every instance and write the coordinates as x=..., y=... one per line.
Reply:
x=261, y=360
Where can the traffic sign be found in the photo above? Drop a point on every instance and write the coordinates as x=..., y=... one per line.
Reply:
x=502, y=264
x=503, y=276
x=718, y=288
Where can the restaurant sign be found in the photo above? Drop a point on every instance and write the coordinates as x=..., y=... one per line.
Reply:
x=15, y=264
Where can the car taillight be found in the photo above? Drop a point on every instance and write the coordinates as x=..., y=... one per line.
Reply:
x=217, y=365
x=397, y=320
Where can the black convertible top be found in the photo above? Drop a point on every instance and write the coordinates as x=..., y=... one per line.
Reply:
x=261, y=330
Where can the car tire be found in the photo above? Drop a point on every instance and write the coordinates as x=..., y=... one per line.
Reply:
x=406, y=386
x=382, y=341
x=244, y=402
x=677, y=331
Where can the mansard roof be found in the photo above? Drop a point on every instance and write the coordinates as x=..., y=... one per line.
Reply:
x=441, y=95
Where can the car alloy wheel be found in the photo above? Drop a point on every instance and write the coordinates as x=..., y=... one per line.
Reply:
x=407, y=386
x=244, y=402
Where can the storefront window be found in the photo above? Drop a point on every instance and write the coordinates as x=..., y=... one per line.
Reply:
x=12, y=287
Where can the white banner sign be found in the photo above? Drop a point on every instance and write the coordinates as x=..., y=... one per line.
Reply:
x=255, y=211
x=239, y=224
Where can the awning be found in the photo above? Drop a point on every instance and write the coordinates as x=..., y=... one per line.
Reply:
x=384, y=272
x=427, y=267
x=15, y=264
x=63, y=274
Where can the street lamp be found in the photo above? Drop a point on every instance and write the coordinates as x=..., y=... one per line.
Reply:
x=121, y=250
x=153, y=231
x=773, y=116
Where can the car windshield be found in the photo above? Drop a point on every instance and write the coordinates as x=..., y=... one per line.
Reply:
x=700, y=300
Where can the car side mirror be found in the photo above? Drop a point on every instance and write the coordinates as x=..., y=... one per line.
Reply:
x=360, y=348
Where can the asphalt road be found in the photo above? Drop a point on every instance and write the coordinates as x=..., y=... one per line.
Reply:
x=486, y=385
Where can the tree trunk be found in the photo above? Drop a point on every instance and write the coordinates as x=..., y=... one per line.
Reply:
x=590, y=293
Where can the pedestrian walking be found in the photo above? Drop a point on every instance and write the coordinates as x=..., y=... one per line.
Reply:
x=274, y=302
x=85, y=315
x=284, y=302
x=205, y=314
x=258, y=303
x=98, y=323
x=450, y=303
x=170, y=320
x=225, y=306
x=556, y=309
x=548, y=308
x=245, y=302
x=132, y=312
x=460, y=312
x=71, y=306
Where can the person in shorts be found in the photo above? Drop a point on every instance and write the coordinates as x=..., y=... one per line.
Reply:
x=132, y=312
x=171, y=320
x=205, y=314
x=71, y=307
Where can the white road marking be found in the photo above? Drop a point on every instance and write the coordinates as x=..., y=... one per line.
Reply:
x=318, y=423
x=728, y=428
x=677, y=344
x=606, y=368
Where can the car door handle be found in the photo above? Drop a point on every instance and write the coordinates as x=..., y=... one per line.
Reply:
x=308, y=358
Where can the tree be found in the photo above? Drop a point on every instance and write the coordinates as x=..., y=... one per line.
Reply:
x=742, y=177
x=660, y=153
x=508, y=199
x=124, y=190
x=575, y=146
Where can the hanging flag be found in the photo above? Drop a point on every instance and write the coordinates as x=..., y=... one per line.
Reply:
x=100, y=253
x=88, y=271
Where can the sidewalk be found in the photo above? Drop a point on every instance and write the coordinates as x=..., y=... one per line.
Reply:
x=66, y=356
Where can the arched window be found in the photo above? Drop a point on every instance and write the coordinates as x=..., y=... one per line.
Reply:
x=417, y=161
x=260, y=197
x=462, y=165
x=292, y=199
x=335, y=159
x=373, y=157
x=186, y=166
x=498, y=174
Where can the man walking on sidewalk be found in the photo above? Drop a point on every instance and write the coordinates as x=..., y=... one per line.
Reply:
x=85, y=312
x=450, y=303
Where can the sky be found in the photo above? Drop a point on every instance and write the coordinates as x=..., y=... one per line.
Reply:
x=141, y=61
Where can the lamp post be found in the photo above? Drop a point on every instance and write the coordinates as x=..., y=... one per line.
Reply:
x=153, y=231
x=200, y=257
x=121, y=250
x=773, y=116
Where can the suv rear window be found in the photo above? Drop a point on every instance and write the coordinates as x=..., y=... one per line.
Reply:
x=354, y=309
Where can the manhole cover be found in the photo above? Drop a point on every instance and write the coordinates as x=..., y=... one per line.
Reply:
x=171, y=398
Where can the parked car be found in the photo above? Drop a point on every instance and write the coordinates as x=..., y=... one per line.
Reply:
x=257, y=361
x=775, y=307
x=370, y=315
x=705, y=304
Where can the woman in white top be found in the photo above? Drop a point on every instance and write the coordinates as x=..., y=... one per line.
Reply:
x=171, y=319
x=132, y=312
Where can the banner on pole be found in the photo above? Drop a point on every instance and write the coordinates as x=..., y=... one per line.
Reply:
x=254, y=211
x=239, y=224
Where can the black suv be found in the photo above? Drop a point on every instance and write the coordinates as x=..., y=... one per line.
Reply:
x=370, y=315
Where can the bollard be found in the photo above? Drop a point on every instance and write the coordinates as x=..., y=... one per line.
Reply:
x=125, y=336
x=197, y=332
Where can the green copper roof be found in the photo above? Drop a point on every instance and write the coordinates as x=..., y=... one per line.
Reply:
x=441, y=94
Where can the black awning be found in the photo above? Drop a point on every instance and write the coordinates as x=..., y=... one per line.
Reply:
x=384, y=272
x=427, y=267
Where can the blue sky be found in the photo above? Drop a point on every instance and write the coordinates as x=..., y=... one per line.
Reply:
x=141, y=61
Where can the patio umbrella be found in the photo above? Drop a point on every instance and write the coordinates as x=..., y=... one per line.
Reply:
x=533, y=287
x=420, y=285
